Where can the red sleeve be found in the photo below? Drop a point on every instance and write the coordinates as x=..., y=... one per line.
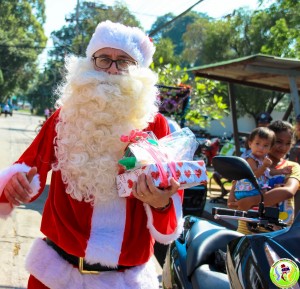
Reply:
x=165, y=221
x=40, y=153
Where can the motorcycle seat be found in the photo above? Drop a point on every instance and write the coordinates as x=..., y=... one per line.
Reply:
x=206, y=277
x=202, y=249
x=199, y=227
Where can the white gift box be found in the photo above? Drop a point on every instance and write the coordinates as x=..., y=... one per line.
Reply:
x=187, y=173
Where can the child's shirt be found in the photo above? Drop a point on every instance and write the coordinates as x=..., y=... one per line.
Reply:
x=245, y=185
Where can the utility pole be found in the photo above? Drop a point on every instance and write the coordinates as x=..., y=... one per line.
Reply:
x=172, y=20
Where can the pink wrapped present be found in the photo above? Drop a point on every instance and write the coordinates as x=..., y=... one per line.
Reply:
x=187, y=173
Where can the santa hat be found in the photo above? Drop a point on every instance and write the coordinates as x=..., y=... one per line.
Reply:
x=131, y=40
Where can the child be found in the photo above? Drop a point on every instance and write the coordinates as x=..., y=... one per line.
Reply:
x=260, y=142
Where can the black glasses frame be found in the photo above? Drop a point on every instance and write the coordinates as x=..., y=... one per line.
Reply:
x=94, y=58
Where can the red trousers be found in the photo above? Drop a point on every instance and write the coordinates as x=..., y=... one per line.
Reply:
x=34, y=283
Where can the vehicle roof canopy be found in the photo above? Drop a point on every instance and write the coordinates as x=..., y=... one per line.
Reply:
x=262, y=71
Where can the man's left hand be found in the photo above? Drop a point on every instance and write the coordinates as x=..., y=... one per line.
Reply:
x=145, y=190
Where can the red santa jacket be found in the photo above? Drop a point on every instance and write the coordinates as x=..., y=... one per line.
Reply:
x=121, y=232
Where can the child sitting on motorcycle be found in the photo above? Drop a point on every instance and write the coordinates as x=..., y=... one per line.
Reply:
x=281, y=195
x=260, y=142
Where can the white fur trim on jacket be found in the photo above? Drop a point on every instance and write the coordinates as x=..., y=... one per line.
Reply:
x=105, y=243
x=56, y=273
x=161, y=238
x=5, y=176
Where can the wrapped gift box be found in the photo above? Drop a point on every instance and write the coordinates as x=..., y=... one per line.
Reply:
x=188, y=174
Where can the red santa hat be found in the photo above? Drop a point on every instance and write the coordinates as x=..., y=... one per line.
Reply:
x=131, y=40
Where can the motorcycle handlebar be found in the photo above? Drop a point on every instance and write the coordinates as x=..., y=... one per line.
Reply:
x=270, y=216
x=228, y=212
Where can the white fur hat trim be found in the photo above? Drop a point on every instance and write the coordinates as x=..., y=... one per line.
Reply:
x=131, y=40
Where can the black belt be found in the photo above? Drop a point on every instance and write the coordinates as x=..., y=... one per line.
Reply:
x=80, y=262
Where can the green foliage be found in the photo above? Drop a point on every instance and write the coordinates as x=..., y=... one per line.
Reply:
x=164, y=53
x=273, y=30
x=207, y=97
x=1, y=77
x=207, y=102
x=247, y=100
x=175, y=30
x=207, y=41
x=193, y=39
x=21, y=41
x=41, y=92
x=284, y=37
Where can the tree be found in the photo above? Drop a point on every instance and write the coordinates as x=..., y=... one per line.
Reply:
x=273, y=30
x=207, y=41
x=206, y=100
x=164, y=53
x=22, y=39
x=175, y=30
x=284, y=37
x=247, y=100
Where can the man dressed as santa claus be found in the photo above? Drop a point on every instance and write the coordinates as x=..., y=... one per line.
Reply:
x=94, y=238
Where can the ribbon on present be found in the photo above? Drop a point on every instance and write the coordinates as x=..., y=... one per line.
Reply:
x=134, y=136
x=151, y=146
x=162, y=173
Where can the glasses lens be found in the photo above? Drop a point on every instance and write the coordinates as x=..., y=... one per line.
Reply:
x=124, y=64
x=103, y=62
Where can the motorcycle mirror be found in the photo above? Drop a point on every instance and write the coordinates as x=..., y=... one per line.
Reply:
x=236, y=168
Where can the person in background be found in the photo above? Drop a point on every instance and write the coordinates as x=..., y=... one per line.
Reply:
x=282, y=195
x=295, y=150
x=263, y=119
x=93, y=237
x=260, y=142
x=46, y=113
x=7, y=109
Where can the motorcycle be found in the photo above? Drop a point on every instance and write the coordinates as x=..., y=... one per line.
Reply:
x=208, y=255
x=207, y=150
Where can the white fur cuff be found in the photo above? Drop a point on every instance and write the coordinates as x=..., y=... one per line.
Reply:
x=6, y=175
x=161, y=238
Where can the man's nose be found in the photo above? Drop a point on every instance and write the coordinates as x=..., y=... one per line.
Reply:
x=113, y=69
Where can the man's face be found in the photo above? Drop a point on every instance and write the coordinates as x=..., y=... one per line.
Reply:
x=297, y=129
x=112, y=61
x=262, y=124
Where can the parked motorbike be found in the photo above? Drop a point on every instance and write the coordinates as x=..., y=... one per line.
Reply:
x=207, y=150
x=208, y=255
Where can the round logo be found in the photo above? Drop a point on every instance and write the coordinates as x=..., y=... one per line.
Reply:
x=284, y=273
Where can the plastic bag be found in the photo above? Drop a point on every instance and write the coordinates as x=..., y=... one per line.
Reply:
x=178, y=146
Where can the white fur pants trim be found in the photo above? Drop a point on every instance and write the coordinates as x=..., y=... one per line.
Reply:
x=53, y=271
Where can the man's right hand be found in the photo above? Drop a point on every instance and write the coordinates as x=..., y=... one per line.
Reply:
x=17, y=189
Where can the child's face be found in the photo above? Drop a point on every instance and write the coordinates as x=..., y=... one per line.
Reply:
x=260, y=146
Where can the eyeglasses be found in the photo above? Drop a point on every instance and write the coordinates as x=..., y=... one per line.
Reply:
x=105, y=63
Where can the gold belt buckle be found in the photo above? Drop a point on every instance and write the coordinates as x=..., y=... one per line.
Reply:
x=81, y=269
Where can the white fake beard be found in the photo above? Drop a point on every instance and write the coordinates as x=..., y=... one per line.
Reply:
x=97, y=108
